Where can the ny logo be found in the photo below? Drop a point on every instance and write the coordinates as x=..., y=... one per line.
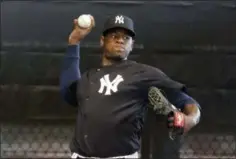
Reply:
x=119, y=19
x=109, y=85
x=74, y=156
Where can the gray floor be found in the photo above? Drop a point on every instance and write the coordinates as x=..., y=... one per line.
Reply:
x=40, y=141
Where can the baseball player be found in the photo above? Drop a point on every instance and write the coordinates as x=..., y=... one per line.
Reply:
x=112, y=98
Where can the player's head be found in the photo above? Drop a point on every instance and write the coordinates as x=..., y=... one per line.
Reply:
x=118, y=37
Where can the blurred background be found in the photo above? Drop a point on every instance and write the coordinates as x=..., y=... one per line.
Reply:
x=193, y=42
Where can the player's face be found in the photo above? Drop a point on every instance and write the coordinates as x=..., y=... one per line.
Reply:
x=117, y=44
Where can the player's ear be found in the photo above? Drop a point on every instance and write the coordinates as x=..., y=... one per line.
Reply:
x=102, y=41
x=132, y=45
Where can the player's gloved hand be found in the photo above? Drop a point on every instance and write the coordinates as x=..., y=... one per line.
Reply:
x=179, y=123
x=176, y=122
x=79, y=33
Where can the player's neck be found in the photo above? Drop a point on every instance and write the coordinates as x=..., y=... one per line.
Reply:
x=109, y=62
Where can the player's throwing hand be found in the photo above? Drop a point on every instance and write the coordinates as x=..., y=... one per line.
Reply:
x=78, y=33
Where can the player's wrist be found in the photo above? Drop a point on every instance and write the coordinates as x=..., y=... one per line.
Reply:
x=190, y=122
x=194, y=117
x=73, y=41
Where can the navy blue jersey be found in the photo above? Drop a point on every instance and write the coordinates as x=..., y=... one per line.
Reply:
x=112, y=102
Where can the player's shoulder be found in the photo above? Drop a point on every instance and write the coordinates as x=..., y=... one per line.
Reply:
x=148, y=68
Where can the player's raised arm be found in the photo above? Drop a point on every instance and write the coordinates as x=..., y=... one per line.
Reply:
x=70, y=73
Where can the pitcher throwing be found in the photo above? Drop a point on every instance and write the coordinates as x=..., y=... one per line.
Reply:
x=112, y=98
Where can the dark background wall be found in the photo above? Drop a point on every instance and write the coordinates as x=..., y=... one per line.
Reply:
x=193, y=42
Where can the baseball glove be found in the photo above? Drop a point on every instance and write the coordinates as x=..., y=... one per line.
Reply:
x=161, y=106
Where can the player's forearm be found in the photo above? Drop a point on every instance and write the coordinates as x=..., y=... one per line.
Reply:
x=70, y=69
x=70, y=73
x=193, y=114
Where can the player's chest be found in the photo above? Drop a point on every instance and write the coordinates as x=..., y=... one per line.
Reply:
x=106, y=83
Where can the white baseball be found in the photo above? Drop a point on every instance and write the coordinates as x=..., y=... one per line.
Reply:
x=84, y=21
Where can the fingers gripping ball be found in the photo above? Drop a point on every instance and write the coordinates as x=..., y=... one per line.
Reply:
x=84, y=21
